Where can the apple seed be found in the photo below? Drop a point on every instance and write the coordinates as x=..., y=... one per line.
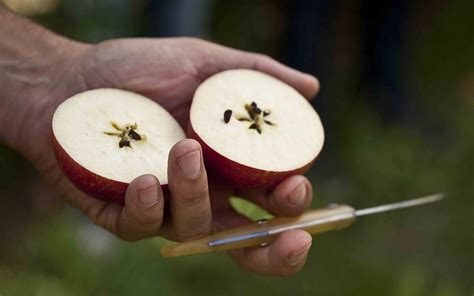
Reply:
x=256, y=127
x=134, y=135
x=125, y=134
x=255, y=113
x=124, y=143
x=227, y=115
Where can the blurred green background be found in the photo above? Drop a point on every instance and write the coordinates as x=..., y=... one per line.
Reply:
x=373, y=154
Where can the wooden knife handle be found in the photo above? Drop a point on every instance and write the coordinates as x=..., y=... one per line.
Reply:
x=343, y=214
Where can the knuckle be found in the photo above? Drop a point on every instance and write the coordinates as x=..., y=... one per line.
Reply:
x=290, y=210
x=279, y=204
x=133, y=227
x=146, y=222
x=195, y=197
x=196, y=232
x=110, y=222
x=148, y=217
x=273, y=205
x=259, y=61
x=95, y=212
x=103, y=216
x=145, y=217
x=263, y=57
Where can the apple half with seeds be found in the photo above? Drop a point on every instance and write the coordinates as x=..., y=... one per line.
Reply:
x=255, y=130
x=105, y=138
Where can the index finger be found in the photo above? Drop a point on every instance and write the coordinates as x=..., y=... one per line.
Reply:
x=225, y=58
x=306, y=84
x=289, y=198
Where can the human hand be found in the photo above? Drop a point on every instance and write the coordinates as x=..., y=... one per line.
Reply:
x=167, y=71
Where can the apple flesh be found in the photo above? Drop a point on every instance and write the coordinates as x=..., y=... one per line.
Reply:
x=255, y=130
x=105, y=138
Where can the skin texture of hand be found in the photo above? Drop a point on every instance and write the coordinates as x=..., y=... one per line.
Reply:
x=167, y=71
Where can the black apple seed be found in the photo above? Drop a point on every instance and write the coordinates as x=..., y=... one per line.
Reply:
x=124, y=143
x=227, y=115
x=134, y=135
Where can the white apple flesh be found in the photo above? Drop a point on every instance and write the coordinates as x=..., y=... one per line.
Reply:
x=272, y=131
x=105, y=138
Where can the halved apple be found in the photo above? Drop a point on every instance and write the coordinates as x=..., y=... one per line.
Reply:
x=105, y=138
x=255, y=130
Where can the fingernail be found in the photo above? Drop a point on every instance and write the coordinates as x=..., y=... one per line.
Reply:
x=148, y=196
x=298, y=257
x=298, y=196
x=190, y=164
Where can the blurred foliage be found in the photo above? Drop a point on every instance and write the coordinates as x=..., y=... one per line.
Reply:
x=367, y=161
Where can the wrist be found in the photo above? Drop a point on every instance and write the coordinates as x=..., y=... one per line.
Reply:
x=34, y=67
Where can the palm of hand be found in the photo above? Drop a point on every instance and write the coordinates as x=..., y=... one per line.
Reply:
x=168, y=71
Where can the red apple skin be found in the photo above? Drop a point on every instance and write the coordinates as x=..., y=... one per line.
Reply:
x=238, y=175
x=92, y=184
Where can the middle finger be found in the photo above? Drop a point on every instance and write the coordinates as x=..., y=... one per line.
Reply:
x=289, y=198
